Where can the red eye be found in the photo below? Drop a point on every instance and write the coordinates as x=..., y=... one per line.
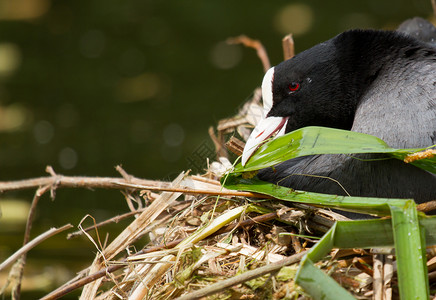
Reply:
x=293, y=86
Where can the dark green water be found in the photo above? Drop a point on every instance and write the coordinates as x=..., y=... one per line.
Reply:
x=87, y=85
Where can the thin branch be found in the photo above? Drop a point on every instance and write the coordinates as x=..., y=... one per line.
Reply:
x=115, y=219
x=248, y=42
x=39, y=192
x=206, y=180
x=74, y=182
x=296, y=242
x=123, y=173
x=220, y=150
x=192, y=191
x=248, y=222
x=288, y=47
x=235, y=145
x=36, y=241
x=427, y=206
x=60, y=181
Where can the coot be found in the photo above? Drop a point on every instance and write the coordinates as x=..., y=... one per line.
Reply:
x=381, y=83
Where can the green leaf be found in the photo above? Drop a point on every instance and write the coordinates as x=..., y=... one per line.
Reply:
x=318, y=284
x=322, y=140
x=374, y=233
x=213, y=226
x=410, y=251
x=377, y=206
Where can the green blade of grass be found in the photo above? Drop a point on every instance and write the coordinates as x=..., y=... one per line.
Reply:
x=367, y=234
x=376, y=233
x=319, y=285
x=364, y=234
x=322, y=140
x=377, y=206
x=410, y=252
x=214, y=226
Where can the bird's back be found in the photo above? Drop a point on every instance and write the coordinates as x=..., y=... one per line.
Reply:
x=400, y=106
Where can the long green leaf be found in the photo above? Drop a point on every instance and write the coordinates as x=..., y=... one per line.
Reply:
x=322, y=140
x=319, y=285
x=410, y=251
x=377, y=206
x=377, y=233
x=367, y=234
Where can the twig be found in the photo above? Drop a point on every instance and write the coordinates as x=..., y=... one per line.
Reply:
x=296, y=242
x=127, y=195
x=235, y=145
x=220, y=150
x=248, y=42
x=362, y=263
x=378, y=276
x=248, y=222
x=427, y=206
x=206, y=180
x=113, y=183
x=74, y=182
x=227, y=283
x=388, y=272
x=51, y=171
x=429, y=153
x=123, y=173
x=36, y=241
x=288, y=47
x=115, y=219
x=39, y=192
x=192, y=191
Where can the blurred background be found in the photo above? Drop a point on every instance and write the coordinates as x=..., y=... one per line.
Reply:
x=87, y=85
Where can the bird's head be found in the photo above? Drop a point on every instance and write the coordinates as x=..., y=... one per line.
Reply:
x=308, y=90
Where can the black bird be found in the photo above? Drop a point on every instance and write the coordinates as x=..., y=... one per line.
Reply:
x=381, y=83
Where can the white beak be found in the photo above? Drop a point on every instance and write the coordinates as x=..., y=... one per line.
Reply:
x=267, y=125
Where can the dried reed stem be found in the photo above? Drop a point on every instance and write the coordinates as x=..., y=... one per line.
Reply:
x=288, y=47
x=260, y=50
x=30, y=245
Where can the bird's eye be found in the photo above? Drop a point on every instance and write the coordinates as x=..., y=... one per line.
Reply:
x=293, y=86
